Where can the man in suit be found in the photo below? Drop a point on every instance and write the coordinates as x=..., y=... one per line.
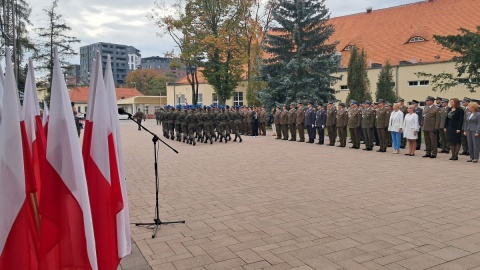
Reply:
x=419, y=112
x=444, y=145
x=403, y=109
x=368, y=123
x=284, y=122
x=320, y=121
x=381, y=122
x=331, y=119
x=310, y=122
x=354, y=122
x=341, y=122
x=292, y=122
x=431, y=124
x=301, y=122
x=465, y=103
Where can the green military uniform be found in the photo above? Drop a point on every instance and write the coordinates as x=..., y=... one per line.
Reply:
x=341, y=124
x=292, y=122
x=207, y=119
x=354, y=122
x=284, y=123
x=368, y=124
x=191, y=126
x=237, y=121
x=331, y=123
x=199, y=126
x=381, y=122
x=223, y=121
x=276, y=121
x=139, y=117
x=183, y=125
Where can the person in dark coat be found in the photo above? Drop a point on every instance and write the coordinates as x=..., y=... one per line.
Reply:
x=254, y=115
x=310, y=122
x=320, y=121
x=454, y=126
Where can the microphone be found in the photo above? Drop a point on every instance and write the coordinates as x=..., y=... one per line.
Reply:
x=122, y=111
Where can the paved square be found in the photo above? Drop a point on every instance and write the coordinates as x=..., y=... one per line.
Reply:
x=270, y=204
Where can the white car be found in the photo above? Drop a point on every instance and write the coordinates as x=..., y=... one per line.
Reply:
x=122, y=117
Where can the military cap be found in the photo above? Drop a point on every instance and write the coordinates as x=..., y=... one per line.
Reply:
x=415, y=101
x=311, y=103
x=320, y=104
x=227, y=106
x=375, y=103
x=381, y=101
x=388, y=105
x=430, y=98
x=300, y=103
x=466, y=99
x=330, y=102
x=353, y=102
x=400, y=100
x=341, y=104
x=368, y=102
x=292, y=104
x=439, y=98
x=444, y=100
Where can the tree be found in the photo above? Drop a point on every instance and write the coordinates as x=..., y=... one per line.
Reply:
x=301, y=60
x=149, y=82
x=357, y=78
x=385, y=84
x=466, y=45
x=55, y=34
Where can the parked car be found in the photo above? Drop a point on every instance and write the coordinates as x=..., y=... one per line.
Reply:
x=122, y=117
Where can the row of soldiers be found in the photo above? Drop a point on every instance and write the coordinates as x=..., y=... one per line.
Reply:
x=202, y=124
x=367, y=122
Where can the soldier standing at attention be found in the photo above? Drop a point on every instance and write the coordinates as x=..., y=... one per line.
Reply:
x=284, y=122
x=375, y=132
x=139, y=116
x=444, y=145
x=341, y=122
x=262, y=120
x=418, y=111
x=292, y=122
x=310, y=122
x=320, y=121
x=431, y=124
x=403, y=109
x=331, y=119
x=388, y=112
x=381, y=122
x=354, y=122
x=301, y=122
x=368, y=124
x=465, y=103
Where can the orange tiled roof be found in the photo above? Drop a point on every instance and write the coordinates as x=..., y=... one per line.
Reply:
x=384, y=34
x=80, y=94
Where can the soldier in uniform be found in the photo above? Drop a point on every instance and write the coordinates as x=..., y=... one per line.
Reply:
x=444, y=145
x=207, y=119
x=284, y=122
x=403, y=109
x=191, y=121
x=276, y=122
x=388, y=112
x=229, y=125
x=199, y=124
x=354, y=122
x=301, y=122
x=246, y=121
x=163, y=119
x=139, y=117
x=368, y=124
x=431, y=124
x=418, y=111
x=320, y=122
x=262, y=120
x=341, y=122
x=177, y=124
x=223, y=121
x=183, y=124
x=237, y=121
x=310, y=122
x=465, y=103
x=292, y=122
x=439, y=104
x=331, y=119
x=157, y=116
x=381, y=122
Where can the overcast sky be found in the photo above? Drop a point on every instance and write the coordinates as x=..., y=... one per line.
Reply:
x=125, y=21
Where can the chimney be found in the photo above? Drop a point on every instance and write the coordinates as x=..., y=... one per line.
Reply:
x=369, y=10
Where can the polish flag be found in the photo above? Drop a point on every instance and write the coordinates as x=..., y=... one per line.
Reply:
x=18, y=234
x=66, y=230
x=46, y=114
x=35, y=134
x=116, y=164
x=87, y=130
x=102, y=178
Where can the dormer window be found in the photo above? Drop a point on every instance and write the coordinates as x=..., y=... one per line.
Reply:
x=348, y=48
x=416, y=39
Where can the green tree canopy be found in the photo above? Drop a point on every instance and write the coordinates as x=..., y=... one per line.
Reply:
x=385, y=84
x=357, y=81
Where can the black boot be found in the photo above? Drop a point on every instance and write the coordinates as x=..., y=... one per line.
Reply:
x=226, y=140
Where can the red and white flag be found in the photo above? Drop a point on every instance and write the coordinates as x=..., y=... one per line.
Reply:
x=45, y=116
x=35, y=134
x=66, y=230
x=116, y=164
x=103, y=189
x=87, y=131
x=18, y=232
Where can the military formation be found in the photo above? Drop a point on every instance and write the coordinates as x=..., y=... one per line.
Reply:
x=366, y=122
x=192, y=125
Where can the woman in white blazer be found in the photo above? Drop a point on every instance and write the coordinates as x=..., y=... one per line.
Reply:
x=395, y=127
x=411, y=127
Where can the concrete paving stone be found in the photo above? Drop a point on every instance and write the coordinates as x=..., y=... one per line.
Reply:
x=255, y=200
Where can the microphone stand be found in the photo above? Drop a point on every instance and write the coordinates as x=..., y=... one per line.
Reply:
x=156, y=221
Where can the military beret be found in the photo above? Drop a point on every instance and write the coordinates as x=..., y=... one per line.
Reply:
x=342, y=104
x=368, y=102
x=353, y=102
x=415, y=101
x=430, y=98
x=227, y=106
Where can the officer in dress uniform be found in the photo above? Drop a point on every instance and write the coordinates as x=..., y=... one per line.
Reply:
x=381, y=122
x=292, y=122
x=320, y=121
x=375, y=132
x=263, y=122
x=341, y=122
x=331, y=120
x=284, y=122
x=310, y=122
x=276, y=121
x=368, y=124
x=444, y=145
x=419, y=112
x=354, y=122
x=431, y=124
x=301, y=122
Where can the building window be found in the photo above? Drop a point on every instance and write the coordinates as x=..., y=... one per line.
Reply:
x=238, y=99
x=79, y=109
x=418, y=83
x=214, y=99
x=348, y=48
x=344, y=87
x=416, y=39
x=200, y=99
